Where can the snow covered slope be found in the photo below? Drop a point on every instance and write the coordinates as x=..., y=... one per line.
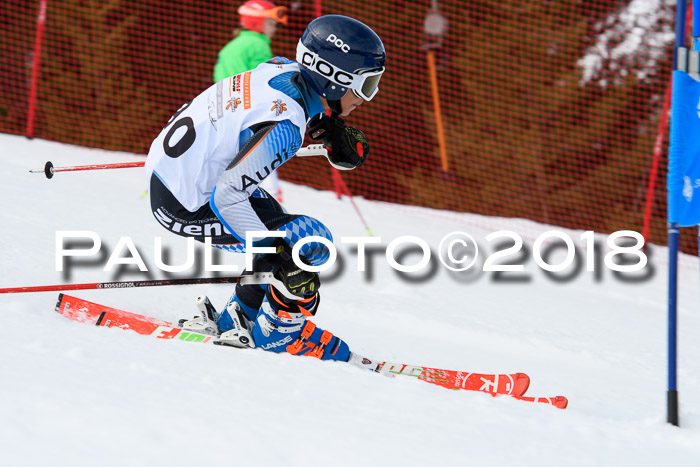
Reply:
x=75, y=395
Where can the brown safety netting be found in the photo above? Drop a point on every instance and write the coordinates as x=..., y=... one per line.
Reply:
x=550, y=110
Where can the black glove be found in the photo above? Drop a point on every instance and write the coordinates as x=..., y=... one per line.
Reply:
x=348, y=146
x=297, y=281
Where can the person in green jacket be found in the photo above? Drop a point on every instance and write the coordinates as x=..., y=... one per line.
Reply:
x=250, y=48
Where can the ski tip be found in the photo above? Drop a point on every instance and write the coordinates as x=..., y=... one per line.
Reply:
x=521, y=384
x=560, y=402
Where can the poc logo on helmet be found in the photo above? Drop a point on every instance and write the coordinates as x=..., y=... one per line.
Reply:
x=338, y=43
x=322, y=67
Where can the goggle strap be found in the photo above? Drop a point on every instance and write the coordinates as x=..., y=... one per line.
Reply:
x=358, y=79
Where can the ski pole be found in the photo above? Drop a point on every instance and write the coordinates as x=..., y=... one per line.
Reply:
x=49, y=170
x=248, y=279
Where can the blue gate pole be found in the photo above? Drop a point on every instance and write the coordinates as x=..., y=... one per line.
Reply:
x=673, y=237
x=672, y=393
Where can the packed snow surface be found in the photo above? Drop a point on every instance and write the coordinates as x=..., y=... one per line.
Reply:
x=78, y=395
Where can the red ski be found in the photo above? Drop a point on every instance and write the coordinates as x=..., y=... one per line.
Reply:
x=509, y=384
x=513, y=385
x=82, y=311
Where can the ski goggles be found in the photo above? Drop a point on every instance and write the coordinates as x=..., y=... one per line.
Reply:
x=364, y=82
x=278, y=13
x=368, y=85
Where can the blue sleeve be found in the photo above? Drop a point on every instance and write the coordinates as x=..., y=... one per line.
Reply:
x=271, y=145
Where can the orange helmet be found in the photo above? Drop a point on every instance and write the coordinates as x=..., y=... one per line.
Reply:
x=254, y=13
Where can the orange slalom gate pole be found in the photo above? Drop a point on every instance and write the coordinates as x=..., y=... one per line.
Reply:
x=436, y=107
